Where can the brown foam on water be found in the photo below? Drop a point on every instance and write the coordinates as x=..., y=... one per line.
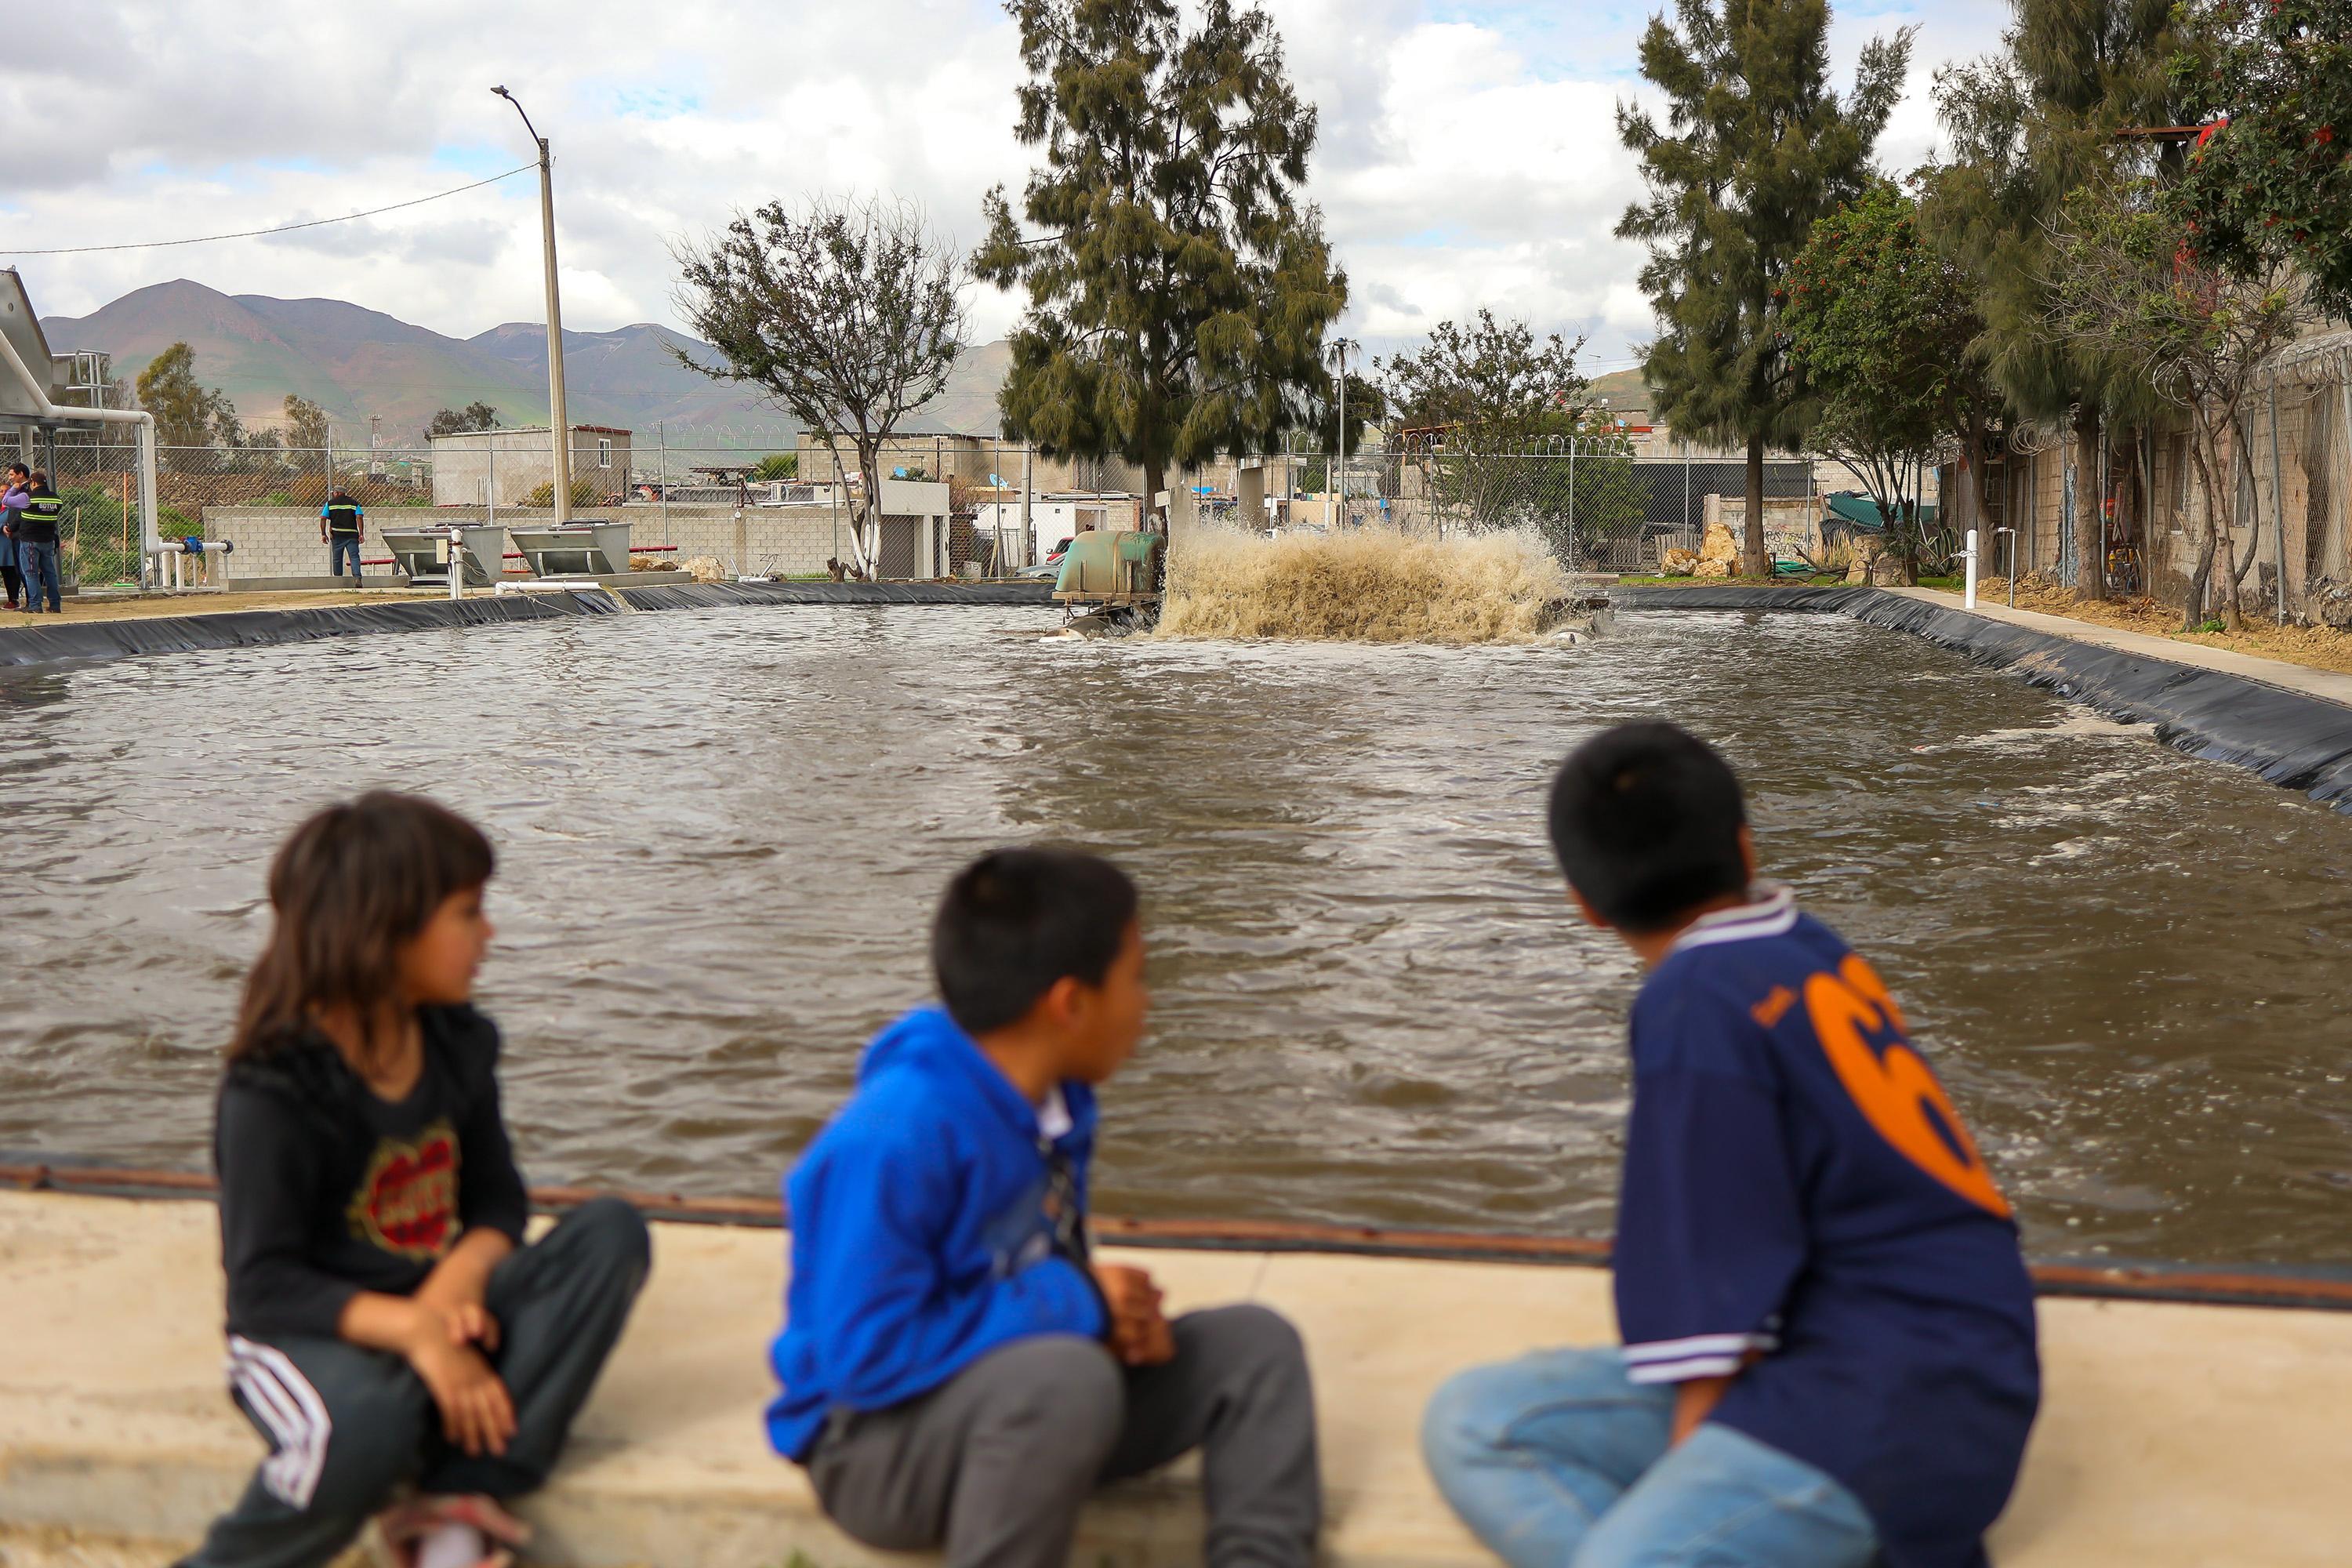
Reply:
x=1363, y=586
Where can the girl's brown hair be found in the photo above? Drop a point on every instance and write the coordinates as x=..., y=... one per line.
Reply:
x=348, y=887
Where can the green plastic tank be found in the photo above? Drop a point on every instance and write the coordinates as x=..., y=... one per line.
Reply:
x=1111, y=562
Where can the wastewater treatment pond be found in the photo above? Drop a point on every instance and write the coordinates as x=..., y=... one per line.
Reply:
x=721, y=834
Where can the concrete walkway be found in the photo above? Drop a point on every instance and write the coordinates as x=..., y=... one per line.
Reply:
x=2173, y=1436
x=2328, y=684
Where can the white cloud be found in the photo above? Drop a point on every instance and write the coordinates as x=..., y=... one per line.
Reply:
x=1462, y=161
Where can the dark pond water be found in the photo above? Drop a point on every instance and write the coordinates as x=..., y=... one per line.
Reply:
x=722, y=832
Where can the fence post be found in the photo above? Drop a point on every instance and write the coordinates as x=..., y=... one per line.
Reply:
x=661, y=430
x=1028, y=504
x=1572, y=444
x=1686, y=493
x=2278, y=501
x=2343, y=370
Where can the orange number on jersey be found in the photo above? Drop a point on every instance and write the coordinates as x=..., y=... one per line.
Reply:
x=1894, y=1089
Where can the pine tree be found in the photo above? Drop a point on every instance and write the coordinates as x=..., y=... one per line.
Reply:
x=2030, y=127
x=1178, y=291
x=1755, y=146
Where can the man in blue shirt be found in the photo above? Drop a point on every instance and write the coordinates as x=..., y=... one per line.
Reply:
x=1829, y=1357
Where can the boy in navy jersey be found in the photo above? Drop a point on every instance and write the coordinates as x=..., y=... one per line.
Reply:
x=1829, y=1357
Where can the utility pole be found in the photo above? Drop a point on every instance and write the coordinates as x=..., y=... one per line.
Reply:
x=556, y=415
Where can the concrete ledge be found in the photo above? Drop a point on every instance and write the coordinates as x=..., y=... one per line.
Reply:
x=2290, y=725
x=2172, y=1436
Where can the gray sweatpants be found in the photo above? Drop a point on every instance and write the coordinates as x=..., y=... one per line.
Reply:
x=346, y=1425
x=994, y=1463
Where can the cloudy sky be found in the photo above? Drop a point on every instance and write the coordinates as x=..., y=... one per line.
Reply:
x=1467, y=157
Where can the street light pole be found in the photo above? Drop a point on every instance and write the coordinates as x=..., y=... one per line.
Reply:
x=556, y=417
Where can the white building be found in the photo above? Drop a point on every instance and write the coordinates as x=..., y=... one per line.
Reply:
x=469, y=464
x=1053, y=519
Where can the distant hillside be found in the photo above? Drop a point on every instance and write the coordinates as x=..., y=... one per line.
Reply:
x=1622, y=389
x=357, y=362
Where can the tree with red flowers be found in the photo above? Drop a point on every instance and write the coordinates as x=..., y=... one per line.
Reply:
x=2270, y=179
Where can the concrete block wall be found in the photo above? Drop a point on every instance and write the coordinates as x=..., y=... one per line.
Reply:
x=2301, y=535
x=283, y=542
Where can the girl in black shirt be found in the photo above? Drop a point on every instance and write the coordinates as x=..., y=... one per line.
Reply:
x=386, y=1322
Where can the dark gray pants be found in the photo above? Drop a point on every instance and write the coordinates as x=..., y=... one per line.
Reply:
x=994, y=1464
x=346, y=1425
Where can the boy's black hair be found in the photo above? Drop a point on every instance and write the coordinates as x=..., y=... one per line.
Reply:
x=1646, y=819
x=1016, y=920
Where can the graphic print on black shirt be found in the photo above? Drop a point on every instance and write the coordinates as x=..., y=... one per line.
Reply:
x=328, y=1190
x=407, y=1202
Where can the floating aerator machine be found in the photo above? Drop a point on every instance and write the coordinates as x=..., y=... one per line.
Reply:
x=1116, y=574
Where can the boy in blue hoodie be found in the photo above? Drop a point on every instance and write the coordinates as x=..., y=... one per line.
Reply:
x=957, y=1371
x=1829, y=1340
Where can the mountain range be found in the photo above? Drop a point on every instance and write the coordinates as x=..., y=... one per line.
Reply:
x=359, y=365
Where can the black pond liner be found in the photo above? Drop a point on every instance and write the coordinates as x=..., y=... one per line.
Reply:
x=78, y=640
x=2292, y=740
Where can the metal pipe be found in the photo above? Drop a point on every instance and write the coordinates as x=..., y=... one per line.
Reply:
x=2241, y=1285
x=1968, y=555
x=151, y=536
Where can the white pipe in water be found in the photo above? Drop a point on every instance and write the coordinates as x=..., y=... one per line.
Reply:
x=1968, y=598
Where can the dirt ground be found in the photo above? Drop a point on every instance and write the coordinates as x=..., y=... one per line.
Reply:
x=26, y=1547
x=98, y=608
x=2316, y=648
x=35, y=1546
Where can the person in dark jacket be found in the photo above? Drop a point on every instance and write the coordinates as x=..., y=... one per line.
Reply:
x=340, y=522
x=37, y=544
x=15, y=490
x=386, y=1320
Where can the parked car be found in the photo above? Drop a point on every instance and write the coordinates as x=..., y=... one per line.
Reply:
x=1049, y=568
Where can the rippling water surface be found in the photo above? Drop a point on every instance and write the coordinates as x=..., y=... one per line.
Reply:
x=722, y=832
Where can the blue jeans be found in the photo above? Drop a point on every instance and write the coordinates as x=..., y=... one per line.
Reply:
x=339, y=546
x=1559, y=1460
x=39, y=565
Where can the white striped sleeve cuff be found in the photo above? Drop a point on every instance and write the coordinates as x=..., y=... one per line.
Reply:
x=1700, y=1355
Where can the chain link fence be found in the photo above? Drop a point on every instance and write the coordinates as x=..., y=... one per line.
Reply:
x=2137, y=498
x=765, y=502
x=1601, y=506
x=736, y=509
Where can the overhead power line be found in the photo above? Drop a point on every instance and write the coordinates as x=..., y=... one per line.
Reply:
x=281, y=228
